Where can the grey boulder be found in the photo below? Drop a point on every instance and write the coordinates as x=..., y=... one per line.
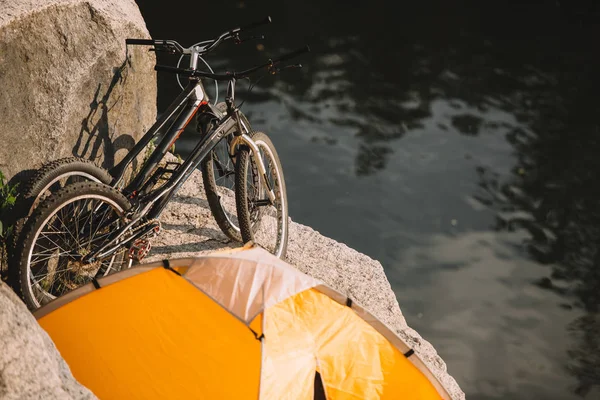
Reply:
x=30, y=365
x=69, y=88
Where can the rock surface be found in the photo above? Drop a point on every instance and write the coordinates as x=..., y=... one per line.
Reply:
x=68, y=87
x=30, y=365
x=189, y=229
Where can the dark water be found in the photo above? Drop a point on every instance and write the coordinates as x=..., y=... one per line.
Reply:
x=457, y=143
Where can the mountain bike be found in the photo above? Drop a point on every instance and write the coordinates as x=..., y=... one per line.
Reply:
x=89, y=229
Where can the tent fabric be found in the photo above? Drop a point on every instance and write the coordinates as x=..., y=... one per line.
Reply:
x=387, y=333
x=247, y=285
x=312, y=329
x=124, y=341
x=239, y=325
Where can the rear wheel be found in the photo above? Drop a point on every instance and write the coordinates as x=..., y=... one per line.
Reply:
x=74, y=222
x=57, y=174
x=262, y=221
x=49, y=179
x=218, y=173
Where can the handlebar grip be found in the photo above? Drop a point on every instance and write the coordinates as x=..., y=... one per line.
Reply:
x=293, y=54
x=253, y=25
x=147, y=42
x=174, y=70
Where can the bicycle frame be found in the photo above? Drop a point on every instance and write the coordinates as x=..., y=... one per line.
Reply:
x=149, y=206
x=180, y=112
x=181, y=105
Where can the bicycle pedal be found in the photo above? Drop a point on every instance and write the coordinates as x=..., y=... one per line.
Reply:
x=139, y=249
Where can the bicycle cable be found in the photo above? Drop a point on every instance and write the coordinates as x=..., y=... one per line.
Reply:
x=250, y=87
x=207, y=65
x=252, y=84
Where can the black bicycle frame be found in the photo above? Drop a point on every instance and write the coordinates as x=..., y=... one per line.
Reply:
x=181, y=112
x=184, y=106
x=200, y=152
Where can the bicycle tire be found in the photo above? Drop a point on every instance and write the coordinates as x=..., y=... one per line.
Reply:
x=91, y=200
x=265, y=226
x=216, y=183
x=48, y=179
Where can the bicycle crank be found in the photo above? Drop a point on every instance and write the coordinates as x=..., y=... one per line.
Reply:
x=141, y=246
x=144, y=231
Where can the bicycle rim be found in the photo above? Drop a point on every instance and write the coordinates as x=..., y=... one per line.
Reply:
x=224, y=175
x=76, y=228
x=264, y=223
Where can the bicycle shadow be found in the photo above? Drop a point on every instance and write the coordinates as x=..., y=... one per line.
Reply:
x=191, y=200
x=190, y=248
x=95, y=141
x=190, y=239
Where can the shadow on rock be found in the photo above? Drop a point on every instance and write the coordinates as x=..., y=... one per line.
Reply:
x=94, y=141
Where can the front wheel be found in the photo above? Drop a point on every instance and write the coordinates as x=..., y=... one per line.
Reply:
x=76, y=221
x=261, y=220
x=218, y=173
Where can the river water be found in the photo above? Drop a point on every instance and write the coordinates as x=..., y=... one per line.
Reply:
x=455, y=142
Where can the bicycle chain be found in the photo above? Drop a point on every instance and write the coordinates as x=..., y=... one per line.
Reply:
x=154, y=220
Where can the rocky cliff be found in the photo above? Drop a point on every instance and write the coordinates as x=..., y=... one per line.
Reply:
x=189, y=229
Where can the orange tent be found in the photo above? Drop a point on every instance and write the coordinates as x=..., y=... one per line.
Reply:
x=237, y=325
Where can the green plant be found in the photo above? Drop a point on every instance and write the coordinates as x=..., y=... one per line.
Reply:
x=149, y=150
x=8, y=197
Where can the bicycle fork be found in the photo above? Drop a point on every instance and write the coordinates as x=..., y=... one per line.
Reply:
x=243, y=138
x=262, y=172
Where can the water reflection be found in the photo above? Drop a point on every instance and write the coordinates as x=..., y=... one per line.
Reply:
x=553, y=195
x=477, y=286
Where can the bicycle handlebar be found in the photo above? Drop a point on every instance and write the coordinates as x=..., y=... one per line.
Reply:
x=292, y=54
x=203, y=50
x=231, y=75
x=149, y=42
x=253, y=25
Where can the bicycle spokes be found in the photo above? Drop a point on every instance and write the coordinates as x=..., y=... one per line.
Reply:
x=67, y=236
